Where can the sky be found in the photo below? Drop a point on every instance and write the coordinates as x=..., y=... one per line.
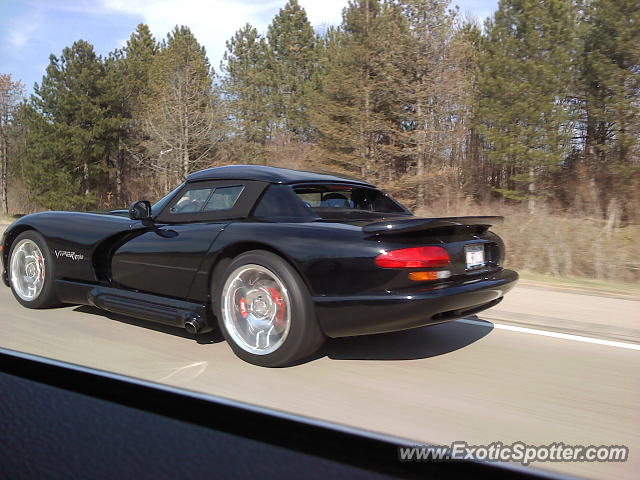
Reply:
x=31, y=30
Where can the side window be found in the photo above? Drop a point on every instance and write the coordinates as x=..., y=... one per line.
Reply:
x=192, y=201
x=211, y=201
x=223, y=198
x=200, y=200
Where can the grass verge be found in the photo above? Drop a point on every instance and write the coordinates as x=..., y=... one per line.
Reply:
x=624, y=289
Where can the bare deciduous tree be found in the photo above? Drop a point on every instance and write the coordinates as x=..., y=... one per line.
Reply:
x=11, y=92
x=185, y=126
x=439, y=93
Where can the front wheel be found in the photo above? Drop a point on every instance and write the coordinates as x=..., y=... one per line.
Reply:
x=265, y=311
x=31, y=271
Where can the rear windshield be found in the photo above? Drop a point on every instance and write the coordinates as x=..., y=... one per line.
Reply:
x=334, y=198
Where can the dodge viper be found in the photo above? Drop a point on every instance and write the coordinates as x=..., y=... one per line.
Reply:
x=277, y=259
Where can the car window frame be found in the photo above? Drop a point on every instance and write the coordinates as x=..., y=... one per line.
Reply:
x=243, y=205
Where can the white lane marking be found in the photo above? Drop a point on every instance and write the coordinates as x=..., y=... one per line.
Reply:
x=187, y=372
x=545, y=333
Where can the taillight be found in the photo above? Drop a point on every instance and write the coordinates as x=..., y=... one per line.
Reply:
x=415, y=257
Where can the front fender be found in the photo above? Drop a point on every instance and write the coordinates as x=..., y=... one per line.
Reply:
x=8, y=236
x=72, y=238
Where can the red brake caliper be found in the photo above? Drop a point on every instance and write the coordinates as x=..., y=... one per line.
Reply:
x=242, y=303
x=277, y=299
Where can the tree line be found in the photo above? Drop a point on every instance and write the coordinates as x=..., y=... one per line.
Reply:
x=539, y=106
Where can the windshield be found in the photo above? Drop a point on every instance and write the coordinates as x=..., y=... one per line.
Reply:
x=160, y=204
x=328, y=198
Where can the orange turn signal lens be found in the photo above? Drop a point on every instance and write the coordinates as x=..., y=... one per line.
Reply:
x=423, y=276
x=426, y=276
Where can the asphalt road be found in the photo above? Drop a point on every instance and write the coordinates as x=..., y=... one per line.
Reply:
x=521, y=372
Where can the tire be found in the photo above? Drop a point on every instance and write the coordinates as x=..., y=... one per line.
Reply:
x=265, y=311
x=34, y=286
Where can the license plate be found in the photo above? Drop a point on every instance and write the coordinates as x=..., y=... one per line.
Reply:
x=475, y=256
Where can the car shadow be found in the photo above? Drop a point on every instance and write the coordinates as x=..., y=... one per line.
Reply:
x=417, y=343
x=202, y=338
x=414, y=344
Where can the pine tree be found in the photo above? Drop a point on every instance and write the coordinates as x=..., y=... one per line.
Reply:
x=480, y=173
x=139, y=53
x=356, y=112
x=293, y=59
x=67, y=131
x=246, y=87
x=526, y=80
x=126, y=84
x=610, y=79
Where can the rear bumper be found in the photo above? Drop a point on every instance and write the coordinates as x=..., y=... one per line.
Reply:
x=368, y=314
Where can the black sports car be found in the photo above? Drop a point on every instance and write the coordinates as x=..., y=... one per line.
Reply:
x=280, y=258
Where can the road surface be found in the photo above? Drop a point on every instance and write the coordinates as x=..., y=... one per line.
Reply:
x=542, y=367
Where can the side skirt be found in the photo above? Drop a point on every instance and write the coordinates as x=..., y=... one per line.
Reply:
x=191, y=316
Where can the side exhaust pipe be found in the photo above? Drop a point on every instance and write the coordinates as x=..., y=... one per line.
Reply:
x=194, y=325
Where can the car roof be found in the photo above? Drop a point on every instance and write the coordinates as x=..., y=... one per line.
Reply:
x=268, y=174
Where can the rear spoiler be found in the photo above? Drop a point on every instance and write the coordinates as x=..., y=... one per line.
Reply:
x=420, y=224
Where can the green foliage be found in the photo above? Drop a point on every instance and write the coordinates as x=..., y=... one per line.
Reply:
x=179, y=52
x=125, y=85
x=292, y=58
x=355, y=111
x=525, y=81
x=610, y=84
x=245, y=85
x=139, y=53
x=68, y=131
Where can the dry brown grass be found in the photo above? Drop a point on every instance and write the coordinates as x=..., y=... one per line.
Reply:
x=19, y=202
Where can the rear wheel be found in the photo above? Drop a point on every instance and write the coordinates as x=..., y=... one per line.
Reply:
x=31, y=271
x=265, y=311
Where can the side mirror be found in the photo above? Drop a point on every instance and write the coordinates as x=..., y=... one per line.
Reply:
x=140, y=210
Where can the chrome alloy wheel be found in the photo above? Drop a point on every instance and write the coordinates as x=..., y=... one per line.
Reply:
x=27, y=270
x=256, y=309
